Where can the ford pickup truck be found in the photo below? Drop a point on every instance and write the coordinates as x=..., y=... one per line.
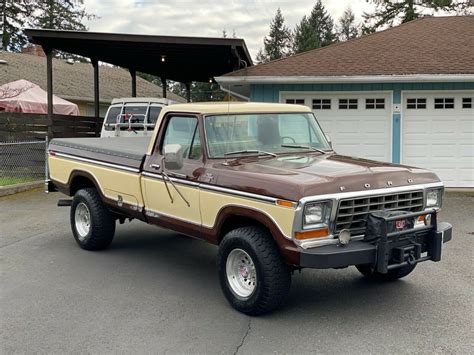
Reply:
x=262, y=182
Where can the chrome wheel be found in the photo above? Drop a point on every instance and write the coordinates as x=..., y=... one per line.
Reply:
x=241, y=273
x=82, y=218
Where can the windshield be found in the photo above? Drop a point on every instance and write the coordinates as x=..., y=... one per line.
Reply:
x=271, y=133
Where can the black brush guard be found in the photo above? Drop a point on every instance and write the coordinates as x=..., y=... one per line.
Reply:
x=384, y=246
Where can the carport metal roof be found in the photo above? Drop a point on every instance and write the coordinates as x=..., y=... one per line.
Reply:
x=183, y=59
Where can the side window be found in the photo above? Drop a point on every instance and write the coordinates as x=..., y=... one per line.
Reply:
x=182, y=130
x=113, y=113
x=153, y=113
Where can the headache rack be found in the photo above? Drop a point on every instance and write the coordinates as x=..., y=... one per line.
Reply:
x=352, y=213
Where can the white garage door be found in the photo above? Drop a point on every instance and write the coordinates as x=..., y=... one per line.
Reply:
x=438, y=134
x=359, y=124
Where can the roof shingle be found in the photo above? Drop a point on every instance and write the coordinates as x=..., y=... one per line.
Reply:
x=430, y=45
x=76, y=80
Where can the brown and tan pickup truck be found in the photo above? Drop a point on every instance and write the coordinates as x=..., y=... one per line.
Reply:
x=262, y=182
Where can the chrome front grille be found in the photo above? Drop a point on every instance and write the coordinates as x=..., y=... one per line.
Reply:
x=352, y=213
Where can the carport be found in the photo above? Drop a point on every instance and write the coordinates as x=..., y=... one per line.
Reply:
x=181, y=59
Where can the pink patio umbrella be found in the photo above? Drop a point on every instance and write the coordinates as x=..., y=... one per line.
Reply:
x=24, y=96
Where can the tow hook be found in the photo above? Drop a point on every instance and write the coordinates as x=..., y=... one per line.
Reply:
x=411, y=258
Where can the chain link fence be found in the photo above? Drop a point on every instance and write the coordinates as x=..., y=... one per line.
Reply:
x=22, y=162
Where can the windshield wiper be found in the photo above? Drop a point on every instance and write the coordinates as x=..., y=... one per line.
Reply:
x=247, y=151
x=304, y=147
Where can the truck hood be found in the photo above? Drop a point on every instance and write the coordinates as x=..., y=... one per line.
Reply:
x=297, y=176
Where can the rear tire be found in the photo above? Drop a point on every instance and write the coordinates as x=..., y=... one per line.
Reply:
x=252, y=274
x=368, y=271
x=93, y=225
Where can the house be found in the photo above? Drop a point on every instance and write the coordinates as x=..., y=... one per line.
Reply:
x=403, y=95
x=74, y=81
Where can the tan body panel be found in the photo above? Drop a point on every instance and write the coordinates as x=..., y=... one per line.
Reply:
x=111, y=182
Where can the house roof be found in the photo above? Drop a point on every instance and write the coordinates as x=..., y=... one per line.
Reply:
x=430, y=45
x=75, y=81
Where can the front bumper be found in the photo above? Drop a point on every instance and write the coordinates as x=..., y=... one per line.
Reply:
x=386, y=254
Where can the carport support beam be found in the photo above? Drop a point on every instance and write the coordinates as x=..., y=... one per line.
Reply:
x=188, y=92
x=49, y=87
x=133, y=74
x=95, y=64
x=163, y=85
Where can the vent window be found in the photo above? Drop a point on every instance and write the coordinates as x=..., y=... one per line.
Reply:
x=321, y=104
x=375, y=104
x=295, y=101
x=443, y=102
x=467, y=102
x=350, y=104
x=416, y=103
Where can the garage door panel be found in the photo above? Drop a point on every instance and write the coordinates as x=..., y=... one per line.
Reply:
x=440, y=139
x=358, y=132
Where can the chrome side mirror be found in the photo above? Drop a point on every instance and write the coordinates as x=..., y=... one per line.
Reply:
x=173, y=156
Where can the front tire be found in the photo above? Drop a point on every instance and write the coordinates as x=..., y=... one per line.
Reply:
x=368, y=271
x=252, y=274
x=93, y=225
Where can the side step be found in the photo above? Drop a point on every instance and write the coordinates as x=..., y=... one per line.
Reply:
x=64, y=203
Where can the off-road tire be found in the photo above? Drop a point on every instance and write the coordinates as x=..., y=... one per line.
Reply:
x=102, y=221
x=392, y=275
x=273, y=275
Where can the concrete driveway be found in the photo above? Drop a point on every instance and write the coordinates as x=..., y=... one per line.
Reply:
x=155, y=291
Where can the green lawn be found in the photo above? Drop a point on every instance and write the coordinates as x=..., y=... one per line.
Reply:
x=9, y=180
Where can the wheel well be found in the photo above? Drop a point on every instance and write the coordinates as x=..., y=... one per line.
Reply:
x=78, y=183
x=236, y=221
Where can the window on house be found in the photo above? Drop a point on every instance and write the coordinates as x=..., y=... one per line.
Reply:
x=443, y=102
x=295, y=101
x=372, y=104
x=416, y=103
x=345, y=104
x=467, y=102
x=321, y=104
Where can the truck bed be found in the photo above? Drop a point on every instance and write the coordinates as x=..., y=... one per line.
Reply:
x=126, y=151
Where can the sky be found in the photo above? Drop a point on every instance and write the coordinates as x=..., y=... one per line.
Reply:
x=249, y=19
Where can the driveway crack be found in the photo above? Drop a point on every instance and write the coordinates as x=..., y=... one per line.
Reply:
x=249, y=327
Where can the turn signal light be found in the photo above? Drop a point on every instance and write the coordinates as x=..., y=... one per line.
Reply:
x=285, y=203
x=318, y=233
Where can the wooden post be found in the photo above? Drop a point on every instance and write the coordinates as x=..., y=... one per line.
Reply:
x=95, y=64
x=49, y=85
x=163, y=84
x=188, y=92
x=133, y=74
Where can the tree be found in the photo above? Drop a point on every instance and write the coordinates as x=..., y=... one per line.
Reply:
x=347, y=26
x=278, y=42
x=61, y=15
x=305, y=38
x=15, y=14
x=322, y=24
x=392, y=13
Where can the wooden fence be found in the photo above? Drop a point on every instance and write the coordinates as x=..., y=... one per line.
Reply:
x=31, y=126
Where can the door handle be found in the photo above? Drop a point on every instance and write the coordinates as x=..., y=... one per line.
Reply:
x=155, y=166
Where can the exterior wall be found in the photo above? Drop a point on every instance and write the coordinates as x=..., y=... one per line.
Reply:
x=87, y=108
x=272, y=92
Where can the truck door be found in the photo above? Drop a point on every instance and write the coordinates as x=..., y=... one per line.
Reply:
x=171, y=193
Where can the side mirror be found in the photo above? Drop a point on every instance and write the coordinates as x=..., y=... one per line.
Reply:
x=329, y=140
x=173, y=156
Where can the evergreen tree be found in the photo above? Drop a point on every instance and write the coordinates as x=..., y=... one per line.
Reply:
x=347, y=26
x=61, y=15
x=278, y=42
x=392, y=13
x=322, y=24
x=14, y=17
x=304, y=38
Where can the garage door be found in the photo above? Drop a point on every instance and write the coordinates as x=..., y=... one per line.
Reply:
x=438, y=134
x=359, y=124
